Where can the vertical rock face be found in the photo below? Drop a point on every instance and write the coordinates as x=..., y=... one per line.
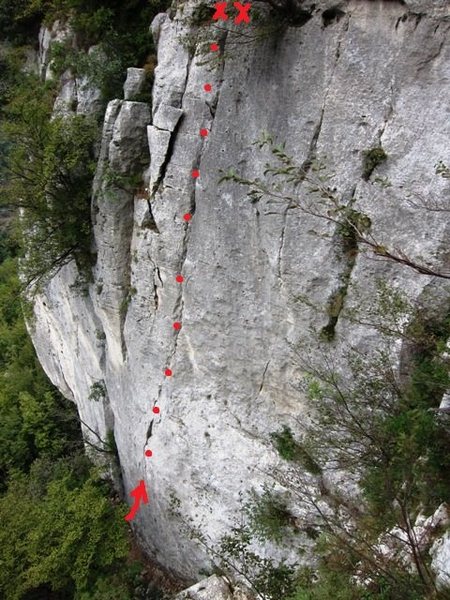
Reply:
x=371, y=74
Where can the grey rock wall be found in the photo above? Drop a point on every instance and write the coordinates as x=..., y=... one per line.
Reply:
x=378, y=75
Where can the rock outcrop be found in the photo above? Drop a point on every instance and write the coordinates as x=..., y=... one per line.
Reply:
x=372, y=74
x=213, y=588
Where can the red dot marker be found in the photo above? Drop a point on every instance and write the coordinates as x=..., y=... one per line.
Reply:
x=203, y=132
x=168, y=372
x=177, y=325
x=195, y=173
x=148, y=453
x=207, y=87
x=179, y=278
x=214, y=47
x=156, y=410
x=187, y=217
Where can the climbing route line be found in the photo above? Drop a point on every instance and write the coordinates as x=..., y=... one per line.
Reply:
x=139, y=493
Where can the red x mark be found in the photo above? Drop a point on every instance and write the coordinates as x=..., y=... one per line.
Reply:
x=243, y=15
x=220, y=11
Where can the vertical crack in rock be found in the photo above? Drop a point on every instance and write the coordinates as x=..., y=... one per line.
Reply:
x=149, y=431
x=179, y=304
x=344, y=237
x=124, y=306
x=149, y=219
x=148, y=435
x=167, y=157
x=157, y=281
x=345, y=241
x=213, y=104
x=262, y=380
x=155, y=292
x=173, y=116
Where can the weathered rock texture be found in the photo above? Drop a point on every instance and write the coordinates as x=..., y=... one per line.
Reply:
x=213, y=588
x=376, y=74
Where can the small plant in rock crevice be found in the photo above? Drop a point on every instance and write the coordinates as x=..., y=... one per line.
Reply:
x=130, y=292
x=293, y=451
x=98, y=391
x=371, y=159
x=269, y=516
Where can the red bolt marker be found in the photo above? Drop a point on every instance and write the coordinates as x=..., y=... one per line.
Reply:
x=179, y=278
x=168, y=372
x=148, y=453
x=177, y=325
x=187, y=217
x=156, y=410
x=214, y=47
x=195, y=173
x=207, y=87
x=203, y=132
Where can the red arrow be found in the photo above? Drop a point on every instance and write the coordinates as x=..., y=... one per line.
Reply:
x=139, y=494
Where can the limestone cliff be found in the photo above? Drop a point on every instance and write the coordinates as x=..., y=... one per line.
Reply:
x=349, y=78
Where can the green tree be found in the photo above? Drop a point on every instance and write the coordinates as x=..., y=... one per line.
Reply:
x=59, y=530
x=34, y=418
x=48, y=173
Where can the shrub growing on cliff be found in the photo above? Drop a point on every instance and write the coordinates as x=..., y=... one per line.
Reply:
x=372, y=158
x=119, y=29
x=35, y=420
x=98, y=391
x=383, y=430
x=281, y=186
x=268, y=516
x=292, y=450
x=48, y=173
x=19, y=24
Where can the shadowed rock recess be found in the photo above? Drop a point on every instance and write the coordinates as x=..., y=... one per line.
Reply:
x=354, y=76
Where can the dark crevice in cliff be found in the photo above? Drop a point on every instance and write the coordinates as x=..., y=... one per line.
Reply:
x=263, y=378
x=345, y=236
x=157, y=282
x=149, y=220
x=167, y=158
x=214, y=102
x=156, y=275
x=345, y=243
x=149, y=431
x=126, y=299
x=332, y=15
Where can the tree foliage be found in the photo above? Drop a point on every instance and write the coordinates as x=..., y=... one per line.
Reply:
x=383, y=447
x=59, y=530
x=48, y=173
x=35, y=420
